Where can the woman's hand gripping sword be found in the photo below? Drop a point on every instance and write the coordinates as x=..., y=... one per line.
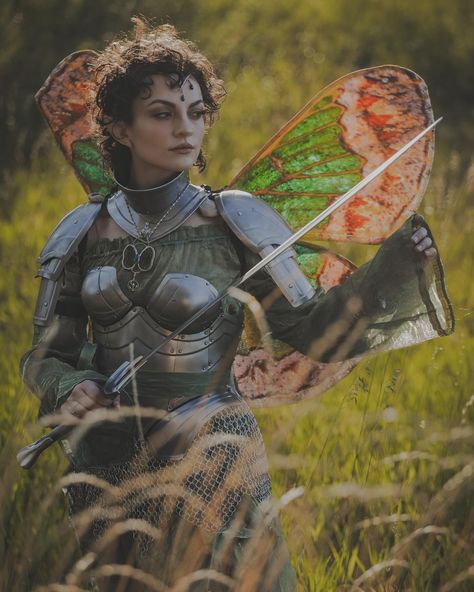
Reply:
x=126, y=371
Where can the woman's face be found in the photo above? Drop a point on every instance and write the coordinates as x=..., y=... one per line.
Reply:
x=166, y=132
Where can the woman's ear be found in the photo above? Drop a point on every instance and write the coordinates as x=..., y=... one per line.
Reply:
x=119, y=132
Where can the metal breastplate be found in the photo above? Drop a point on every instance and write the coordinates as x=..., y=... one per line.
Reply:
x=118, y=323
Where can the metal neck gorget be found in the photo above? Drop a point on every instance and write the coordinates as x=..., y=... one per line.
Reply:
x=136, y=209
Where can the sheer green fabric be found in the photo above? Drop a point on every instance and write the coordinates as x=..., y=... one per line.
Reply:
x=395, y=300
x=392, y=301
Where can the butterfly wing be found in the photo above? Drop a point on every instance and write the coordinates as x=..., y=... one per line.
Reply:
x=64, y=102
x=335, y=140
x=340, y=136
x=283, y=375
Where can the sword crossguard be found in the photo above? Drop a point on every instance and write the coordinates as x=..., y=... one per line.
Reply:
x=120, y=377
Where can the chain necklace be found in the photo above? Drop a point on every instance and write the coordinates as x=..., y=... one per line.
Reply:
x=139, y=261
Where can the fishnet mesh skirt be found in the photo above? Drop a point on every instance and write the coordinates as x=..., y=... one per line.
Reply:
x=223, y=470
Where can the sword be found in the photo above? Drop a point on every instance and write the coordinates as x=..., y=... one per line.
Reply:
x=28, y=455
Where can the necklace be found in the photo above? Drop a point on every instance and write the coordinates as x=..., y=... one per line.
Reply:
x=137, y=261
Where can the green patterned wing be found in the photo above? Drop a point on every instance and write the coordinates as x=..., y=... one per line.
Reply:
x=64, y=102
x=341, y=135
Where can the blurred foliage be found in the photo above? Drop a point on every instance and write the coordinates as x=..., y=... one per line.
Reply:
x=385, y=457
x=401, y=421
x=34, y=531
x=264, y=50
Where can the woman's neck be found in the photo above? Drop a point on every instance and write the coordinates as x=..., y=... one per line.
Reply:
x=143, y=177
x=157, y=199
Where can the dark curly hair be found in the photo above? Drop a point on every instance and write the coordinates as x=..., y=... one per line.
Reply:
x=123, y=73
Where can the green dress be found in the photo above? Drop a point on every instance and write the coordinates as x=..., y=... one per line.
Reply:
x=397, y=302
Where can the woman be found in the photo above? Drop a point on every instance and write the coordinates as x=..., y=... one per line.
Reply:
x=194, y=472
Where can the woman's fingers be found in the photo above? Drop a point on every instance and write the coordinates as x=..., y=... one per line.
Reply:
x=95, y=393
x=431, y=253
x=424, y=244
x=419, y=234
x=75, y=408
x=95, y=396
x=418, y=220
x=85, y=397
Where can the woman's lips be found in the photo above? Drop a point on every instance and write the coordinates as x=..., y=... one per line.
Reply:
x=183, y=149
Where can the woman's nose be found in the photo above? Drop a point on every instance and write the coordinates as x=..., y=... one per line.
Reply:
x=183, y=126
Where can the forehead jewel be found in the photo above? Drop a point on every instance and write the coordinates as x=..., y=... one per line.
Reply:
x=190, y=84
x=180, y=82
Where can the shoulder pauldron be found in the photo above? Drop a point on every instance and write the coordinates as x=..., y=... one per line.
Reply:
x=261, y=229
x=58, y=249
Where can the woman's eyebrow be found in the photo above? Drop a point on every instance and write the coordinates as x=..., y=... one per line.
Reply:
x=171, y=104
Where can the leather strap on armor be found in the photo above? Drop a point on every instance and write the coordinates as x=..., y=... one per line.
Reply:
x=58, y=249
x=261, y=229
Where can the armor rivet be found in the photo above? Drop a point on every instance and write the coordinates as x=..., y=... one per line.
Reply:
x=239, y=213
x=205, y=343
x=290, y=285
x=171, y=350
x=75, y=221
x=179, y=351
x=186, y=275
x=45, y=304
x=204, y=367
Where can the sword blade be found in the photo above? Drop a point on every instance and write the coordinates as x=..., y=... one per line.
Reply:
x=126, y=371
x=118, y=380
x=337, y=203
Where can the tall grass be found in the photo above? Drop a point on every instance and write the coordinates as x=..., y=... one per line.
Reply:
x=385, y=458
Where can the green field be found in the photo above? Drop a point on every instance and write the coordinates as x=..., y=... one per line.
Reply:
x=385, y=458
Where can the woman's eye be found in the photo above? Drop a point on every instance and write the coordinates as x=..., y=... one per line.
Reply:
x=198, y=114
x=161, y=115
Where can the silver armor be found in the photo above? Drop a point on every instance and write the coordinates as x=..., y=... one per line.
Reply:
x=117, y=323
x=210, y=445
x=261, y=229
x=175, y=201
x=58, y=249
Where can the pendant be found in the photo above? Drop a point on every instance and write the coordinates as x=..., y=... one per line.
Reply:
x=137, y=261
x=145, y=233
x=133, y=285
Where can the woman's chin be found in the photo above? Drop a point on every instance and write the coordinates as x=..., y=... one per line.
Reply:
x=182, y=162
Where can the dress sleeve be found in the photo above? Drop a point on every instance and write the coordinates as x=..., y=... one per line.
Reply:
x=392, y=301
x=50, y=367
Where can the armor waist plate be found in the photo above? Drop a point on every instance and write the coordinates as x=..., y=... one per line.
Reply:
x=118, y=323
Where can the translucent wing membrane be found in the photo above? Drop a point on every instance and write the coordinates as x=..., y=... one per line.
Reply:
x=283, y=375
x=341, y=135
x=64, y=102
